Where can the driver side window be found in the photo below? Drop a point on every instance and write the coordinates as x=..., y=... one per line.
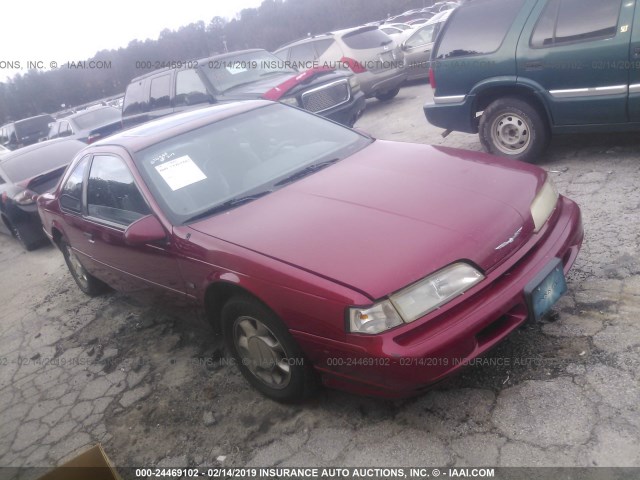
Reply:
x=71, y=194
x=112, y=195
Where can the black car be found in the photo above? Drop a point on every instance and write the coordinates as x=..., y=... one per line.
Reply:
x=25, y=132
x=244, y=75
x=26, y=173
x=88, y=125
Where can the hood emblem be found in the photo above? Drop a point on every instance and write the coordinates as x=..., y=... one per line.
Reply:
x=511, y=240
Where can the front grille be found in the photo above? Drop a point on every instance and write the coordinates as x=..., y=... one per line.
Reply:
x=327, y=96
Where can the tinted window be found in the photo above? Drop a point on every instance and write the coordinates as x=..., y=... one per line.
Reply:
x=33, y=126
x=478, y=27
x=190, y=89
x=134, y=98
x=111, y=192
x=543, y=32
x=576, y=21
x=364, y=39
x=71, y=194
x=160, y=91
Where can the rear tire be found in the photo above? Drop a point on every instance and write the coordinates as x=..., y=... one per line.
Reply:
x=513, y=128
x=388, y=95
x=18, y=235
x=265, y=352
x=89, y=284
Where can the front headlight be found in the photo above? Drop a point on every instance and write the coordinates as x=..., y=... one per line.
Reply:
x=354, y=84
x=415, y=301
x=544, y=204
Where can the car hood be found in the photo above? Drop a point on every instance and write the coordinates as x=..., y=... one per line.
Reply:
x=389, y=215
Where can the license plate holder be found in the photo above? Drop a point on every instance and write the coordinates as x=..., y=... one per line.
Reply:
x=545, y=289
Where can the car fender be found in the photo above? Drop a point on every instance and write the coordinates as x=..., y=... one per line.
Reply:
x=510, y=85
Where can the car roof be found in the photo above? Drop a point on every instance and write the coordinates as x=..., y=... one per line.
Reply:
x=150, y=133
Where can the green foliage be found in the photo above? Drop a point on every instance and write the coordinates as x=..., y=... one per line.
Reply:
x=272, y=24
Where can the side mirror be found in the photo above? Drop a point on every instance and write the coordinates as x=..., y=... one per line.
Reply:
x=144, y=230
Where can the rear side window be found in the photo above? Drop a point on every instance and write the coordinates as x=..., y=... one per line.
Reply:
x=190, y=89
x=71, y=194
x=160, y=92
x=112, y=194
x=570, y=21
x=365, y=39
x=134, y=98
x=477, y=28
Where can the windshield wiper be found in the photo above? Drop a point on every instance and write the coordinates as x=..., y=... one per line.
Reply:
x=306, y=171
x=234, y=202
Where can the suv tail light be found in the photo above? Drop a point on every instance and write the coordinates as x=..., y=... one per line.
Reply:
x=354, y=66
x=432, y=78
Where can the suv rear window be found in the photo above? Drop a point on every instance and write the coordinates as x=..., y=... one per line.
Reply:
x=569, y=21
x=364, y=39
x=477, y=28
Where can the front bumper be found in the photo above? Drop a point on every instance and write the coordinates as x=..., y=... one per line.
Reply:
x=349, y=112
x=403, y=361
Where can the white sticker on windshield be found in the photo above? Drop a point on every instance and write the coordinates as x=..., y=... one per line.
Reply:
x=180, y=172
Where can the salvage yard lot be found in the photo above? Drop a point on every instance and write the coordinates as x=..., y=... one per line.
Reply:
x=152, y=384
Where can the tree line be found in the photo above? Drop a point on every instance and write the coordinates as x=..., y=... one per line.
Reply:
x=108, y=72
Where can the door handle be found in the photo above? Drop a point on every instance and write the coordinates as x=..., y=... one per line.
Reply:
x=89, y=237
x=529, y=66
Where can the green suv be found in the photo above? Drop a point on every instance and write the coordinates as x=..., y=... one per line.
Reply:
x=518, y=71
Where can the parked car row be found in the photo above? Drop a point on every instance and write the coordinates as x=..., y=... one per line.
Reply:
x=241, y=207
x=25, y=132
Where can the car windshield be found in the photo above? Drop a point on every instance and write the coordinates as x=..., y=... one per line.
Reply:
x=240, y=158
x=96, y=118
x=230, y=72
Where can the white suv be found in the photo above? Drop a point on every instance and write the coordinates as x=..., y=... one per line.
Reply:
x=373, y=56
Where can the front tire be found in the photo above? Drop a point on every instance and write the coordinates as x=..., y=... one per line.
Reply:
x=89, y=284
x=388, y=95
x=265, y=352
x=512, y=128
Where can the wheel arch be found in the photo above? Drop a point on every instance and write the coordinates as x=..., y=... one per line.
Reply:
x=217, y=294
x=528, y=93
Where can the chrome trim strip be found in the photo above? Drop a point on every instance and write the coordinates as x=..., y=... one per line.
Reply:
x=634, y=88
x=449, y=99
x=323, y=87
x=589, y=92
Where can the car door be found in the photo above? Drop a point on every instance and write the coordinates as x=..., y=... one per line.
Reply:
x=634, y=70
x=113, y=201
x=576, y=51
x=417, y=50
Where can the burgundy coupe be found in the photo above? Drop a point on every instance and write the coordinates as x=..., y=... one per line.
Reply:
x=319, y=252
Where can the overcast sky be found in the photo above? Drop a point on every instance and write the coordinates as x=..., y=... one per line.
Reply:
x=75, y=30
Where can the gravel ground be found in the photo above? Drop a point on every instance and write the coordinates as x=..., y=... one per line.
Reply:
x=150, y=382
